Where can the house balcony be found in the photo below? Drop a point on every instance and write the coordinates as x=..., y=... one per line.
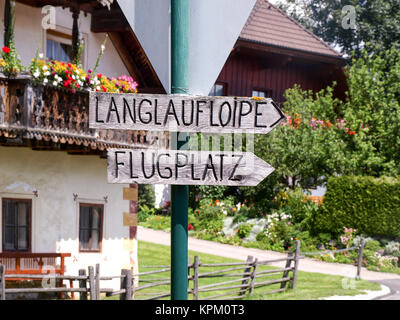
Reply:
x=50, y=117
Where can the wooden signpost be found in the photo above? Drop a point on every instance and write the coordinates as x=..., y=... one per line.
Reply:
x=182, y=113
x=186, y=167
x=185, y=113
x=180, y=168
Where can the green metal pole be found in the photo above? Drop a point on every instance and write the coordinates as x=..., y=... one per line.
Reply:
x=179, y=194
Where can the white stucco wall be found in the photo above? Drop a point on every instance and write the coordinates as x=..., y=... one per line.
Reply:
x=214, y=28
x=162, y=194
x=57, y=176
x=29, y=32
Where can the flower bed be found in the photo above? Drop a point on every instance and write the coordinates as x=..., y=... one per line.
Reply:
x=67, y=75
x=226, y=222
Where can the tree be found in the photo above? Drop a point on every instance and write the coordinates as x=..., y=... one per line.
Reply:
x=309, y=147
x=372, y=109
x=377, y=22
x=325, y=136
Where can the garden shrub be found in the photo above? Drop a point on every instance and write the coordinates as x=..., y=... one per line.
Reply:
x=146, y=195
x=393, y=249
x=209, y=215
x=144, y=213
x=373, y=245
x=244, y=230
x=370, y=205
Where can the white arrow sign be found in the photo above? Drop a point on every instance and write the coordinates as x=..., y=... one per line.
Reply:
x=182, y=113
x=186, y=167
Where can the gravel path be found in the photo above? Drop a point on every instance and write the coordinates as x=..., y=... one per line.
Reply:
x=241, y=253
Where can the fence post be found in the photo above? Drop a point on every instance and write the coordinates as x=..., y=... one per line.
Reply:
x=360, y=256
x=97, y=279
x=286, y=272
x=82, y=285
x=196, y=278
x=2, y=282
x=247, y=269
x=296, y=264
x=124, y=285
x=91, y=283
x=188, y=273
x=133, y=284
x=253, y=277
x=129, y=284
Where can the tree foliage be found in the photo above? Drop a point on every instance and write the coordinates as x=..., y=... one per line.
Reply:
x=324, y=136
x=377, y=22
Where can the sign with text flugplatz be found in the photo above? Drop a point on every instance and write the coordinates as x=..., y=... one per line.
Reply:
x=186, y=167
x=182, y=113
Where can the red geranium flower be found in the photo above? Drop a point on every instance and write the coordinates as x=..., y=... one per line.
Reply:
x=6, y=49
x=190, y=227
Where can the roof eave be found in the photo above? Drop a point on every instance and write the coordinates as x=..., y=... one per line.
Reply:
x=262, y=46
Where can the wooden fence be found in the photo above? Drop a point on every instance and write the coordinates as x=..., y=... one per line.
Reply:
x=238, y=279
x=89, y=284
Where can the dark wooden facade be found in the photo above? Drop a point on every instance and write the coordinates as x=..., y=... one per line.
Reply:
x=273, y=72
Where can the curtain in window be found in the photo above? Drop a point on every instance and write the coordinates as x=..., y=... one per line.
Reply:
x=90, y=223
x=16, y=226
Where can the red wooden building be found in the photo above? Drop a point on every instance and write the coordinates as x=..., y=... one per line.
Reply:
x=273, y=53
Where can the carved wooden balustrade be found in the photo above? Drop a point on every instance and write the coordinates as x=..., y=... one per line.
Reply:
x=33, y=263
x=53, y=114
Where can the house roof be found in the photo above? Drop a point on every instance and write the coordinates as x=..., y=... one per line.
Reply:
x=271, y=26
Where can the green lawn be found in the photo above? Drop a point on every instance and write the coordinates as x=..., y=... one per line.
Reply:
x=310, y=286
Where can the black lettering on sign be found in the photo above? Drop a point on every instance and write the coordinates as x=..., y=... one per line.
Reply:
x=112, y=108
x=229, y=114
x=155, y=112
x=152, y=166
x=256, y=114
x=147, y=113
x=192, y=169
x=127, y=108
x=177, y=163
x=234, y=113
x=243, y=114
x=212, y=124
x=97, y=111
x=131, y=166
x=209, y=166
x=118, y=163
x=169, y=113
x=166, y=168
x=221, y=166
x=232, y=176
x=199, y=110
x=191, y=114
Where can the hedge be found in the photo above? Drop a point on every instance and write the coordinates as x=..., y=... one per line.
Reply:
x=370, y=205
